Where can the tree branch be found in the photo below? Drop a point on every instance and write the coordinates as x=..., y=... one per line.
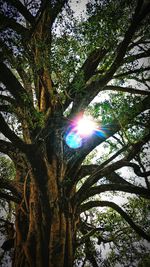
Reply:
x=9, y=197
x=87, y=231
x=116, y=179
x=58, y=8
x=126, y=90
x=15, y=187
x=86, y=236
x=5, y=98
x=12, y=84
x=114, y=206
x=23, y=10
x=19, y=160
x=132, y=58
x=22, y=97
x=84, y=74
x=6, y=22
x=9, y=149
x=90, y=169
x=137, y=170
x=5, y=108
x=47, y=14
x=141, y=70
x=132, y=189
x=139, y=42
x=16, y=62
x=7, y=132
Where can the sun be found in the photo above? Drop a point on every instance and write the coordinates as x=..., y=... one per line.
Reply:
x=81, y=128
x=85, y=126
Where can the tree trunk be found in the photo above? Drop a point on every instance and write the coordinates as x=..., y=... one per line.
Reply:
x=45, y=227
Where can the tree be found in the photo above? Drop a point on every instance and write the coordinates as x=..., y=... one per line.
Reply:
x=52, y=67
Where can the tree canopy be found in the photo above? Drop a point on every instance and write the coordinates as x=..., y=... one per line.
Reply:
x=56, y=68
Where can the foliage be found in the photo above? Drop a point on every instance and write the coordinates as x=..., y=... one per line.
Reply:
x=7, y=168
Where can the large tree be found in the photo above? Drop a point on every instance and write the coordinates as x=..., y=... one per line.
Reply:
x=52, y=66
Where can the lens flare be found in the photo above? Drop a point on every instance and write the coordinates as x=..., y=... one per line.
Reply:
x=80, y=129
x=85, y=126
x=73, y=140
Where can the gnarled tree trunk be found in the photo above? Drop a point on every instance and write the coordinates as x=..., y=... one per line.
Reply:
x=45, y=224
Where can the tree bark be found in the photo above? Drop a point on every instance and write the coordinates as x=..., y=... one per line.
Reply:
x=45, y=225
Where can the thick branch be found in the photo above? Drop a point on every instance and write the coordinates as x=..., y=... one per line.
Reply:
x=16, y=62
x=5, y=108
x=126, y=90
x=25, y=77
x=22, y=9
x=9, y=109
x=12, y=84
x=116, y=178
x=132, y=58
x=7, y=53
x=143, y=192
x=92, y=62
x=114, y=206
x=7, y=132
x=9, y=149
x=4, y=98
x=84, y=74
x=15, y=187
x=137, y=170
x=140, y=70
x=90, y=169
x=9, y=197
x=139, y=42
x=22, y=97
x=11, y=23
